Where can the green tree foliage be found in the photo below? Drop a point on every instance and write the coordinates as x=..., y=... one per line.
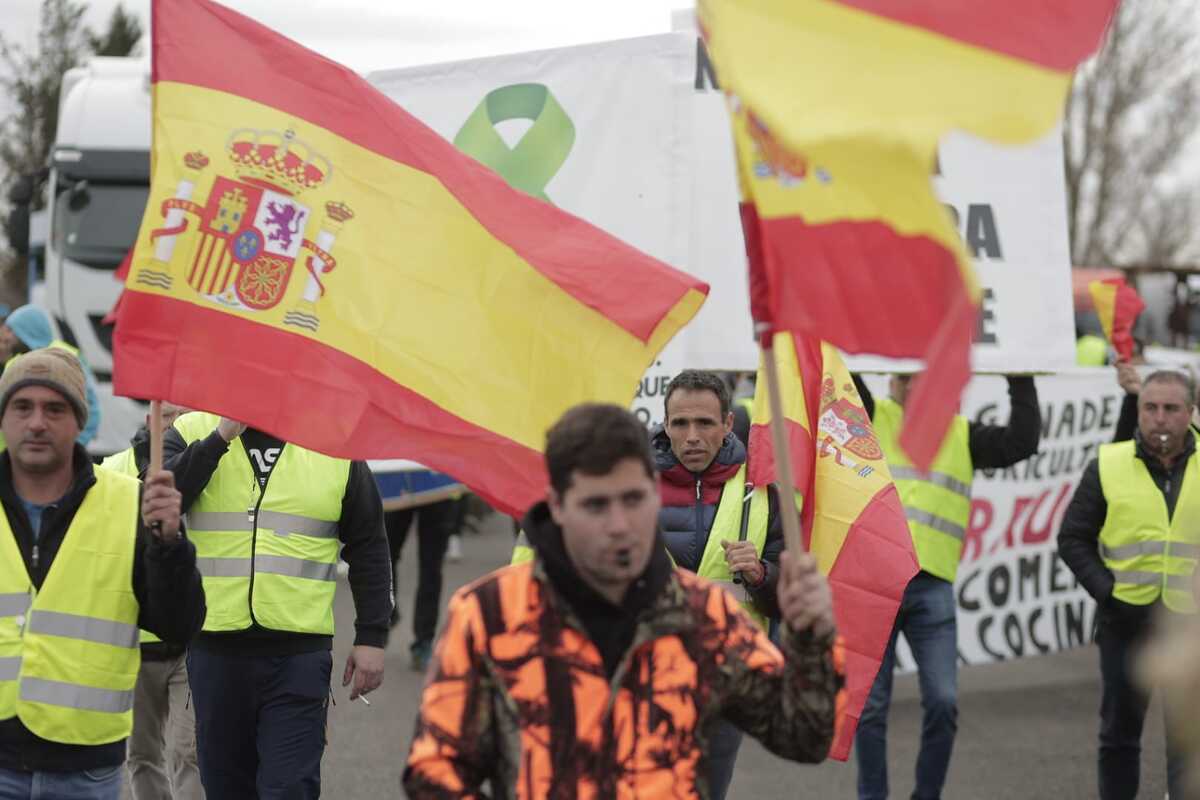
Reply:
x=32, y=79
x=121, y=39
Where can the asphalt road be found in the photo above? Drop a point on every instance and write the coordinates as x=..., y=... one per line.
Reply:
x=1027, y=729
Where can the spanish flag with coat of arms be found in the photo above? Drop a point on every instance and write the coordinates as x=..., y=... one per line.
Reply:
x=319, y=264
x=851, y=517
x=838, y=107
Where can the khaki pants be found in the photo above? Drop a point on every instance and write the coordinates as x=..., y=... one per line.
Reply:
x=162, y=748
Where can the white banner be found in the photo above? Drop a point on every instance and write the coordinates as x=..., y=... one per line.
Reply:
x=650, y=160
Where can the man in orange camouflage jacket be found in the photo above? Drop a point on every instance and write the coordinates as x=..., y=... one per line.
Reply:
x=592, y=671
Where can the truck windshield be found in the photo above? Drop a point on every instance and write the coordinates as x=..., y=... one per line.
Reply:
x=96, y=223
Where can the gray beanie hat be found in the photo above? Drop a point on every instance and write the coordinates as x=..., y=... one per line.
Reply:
x=51, y=367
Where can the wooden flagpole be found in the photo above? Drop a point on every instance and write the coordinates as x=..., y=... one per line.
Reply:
x=783, y=456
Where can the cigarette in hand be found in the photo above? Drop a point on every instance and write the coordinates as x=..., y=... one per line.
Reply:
x=363, y=697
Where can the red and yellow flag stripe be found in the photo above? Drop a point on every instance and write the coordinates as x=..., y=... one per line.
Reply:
x=853, y=522
x=462, y=317
x=838, y=109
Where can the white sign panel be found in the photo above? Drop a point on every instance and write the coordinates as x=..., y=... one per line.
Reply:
x=633, y=136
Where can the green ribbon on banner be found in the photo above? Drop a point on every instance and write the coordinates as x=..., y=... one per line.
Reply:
x=538, y=155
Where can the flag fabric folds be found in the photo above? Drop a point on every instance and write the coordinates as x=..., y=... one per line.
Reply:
x=317, y=263
x=852, y=520
x=1117, y=305
x=838, y=107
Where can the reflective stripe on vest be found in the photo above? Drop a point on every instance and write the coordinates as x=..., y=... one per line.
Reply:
x=937, y=503
x=1149, y=554
x=68, y=652
x=727, y=526
x=267, y=558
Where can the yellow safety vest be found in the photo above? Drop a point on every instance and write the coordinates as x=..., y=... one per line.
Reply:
x=522, y=550
x=937, y=503
x=69, y=654
x=125, y=463
x=727, y=526
x=1149, y=554
x=1091, y=351
x=267, y=557
x=122, y=462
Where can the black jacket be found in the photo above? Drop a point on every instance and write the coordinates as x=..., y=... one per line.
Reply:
x=364, y=548
x=610, y=627
x=1079, y=536
x=165, y=582
x=995, y=446
x=152, y=651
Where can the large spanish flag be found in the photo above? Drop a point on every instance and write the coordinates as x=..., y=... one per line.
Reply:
x=1117, y=305
x=851, y=515
x=319, y=264
x=838, y=109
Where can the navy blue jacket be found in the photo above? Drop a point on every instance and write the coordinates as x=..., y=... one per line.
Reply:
x=685, y=528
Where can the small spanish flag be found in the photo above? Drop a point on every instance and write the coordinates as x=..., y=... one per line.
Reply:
x=850, y=512
x=838, y=107
x=317, y=263
x=1117, y=305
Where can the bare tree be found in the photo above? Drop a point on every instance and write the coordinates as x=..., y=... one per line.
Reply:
x=33, y=80
x=1132, y=111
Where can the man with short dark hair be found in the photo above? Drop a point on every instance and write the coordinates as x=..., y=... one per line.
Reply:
x=714, y=522
x=1131, y=535
x=81, y=569
x=597, y=668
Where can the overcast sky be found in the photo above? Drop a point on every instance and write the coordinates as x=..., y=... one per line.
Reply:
x=367, y=35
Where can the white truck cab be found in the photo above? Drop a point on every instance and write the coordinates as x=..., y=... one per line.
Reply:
x=98, y=184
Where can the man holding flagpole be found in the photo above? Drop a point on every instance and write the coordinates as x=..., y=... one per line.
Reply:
x=82, y=569
x=594, y=669
x=714, y=522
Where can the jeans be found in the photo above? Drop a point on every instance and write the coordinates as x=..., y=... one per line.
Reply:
x=102, y=783
x=260, y=723
x=927, y=617
x=435, y=523
x=1122, y=630
x=724, y=739
x=162, y=747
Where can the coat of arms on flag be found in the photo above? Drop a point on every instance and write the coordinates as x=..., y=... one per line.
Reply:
x=845, y=426
x=252, y=228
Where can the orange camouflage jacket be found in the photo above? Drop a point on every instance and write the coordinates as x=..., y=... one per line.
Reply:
x=517, y=696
